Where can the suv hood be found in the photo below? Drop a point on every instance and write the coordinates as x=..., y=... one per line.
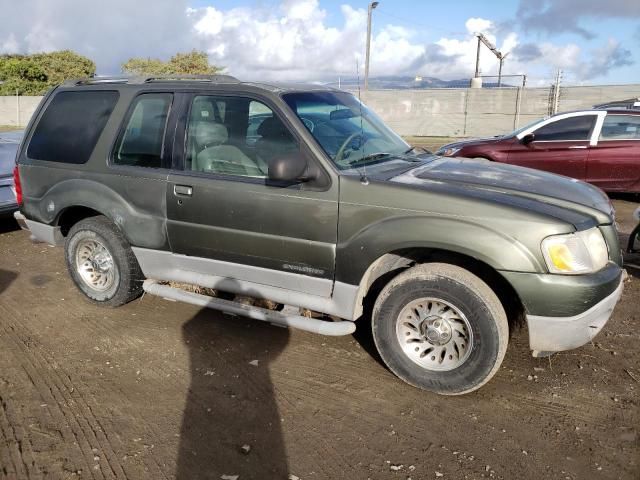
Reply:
x=512, y=184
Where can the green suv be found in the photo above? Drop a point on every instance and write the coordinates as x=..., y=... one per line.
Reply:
x=302, y=196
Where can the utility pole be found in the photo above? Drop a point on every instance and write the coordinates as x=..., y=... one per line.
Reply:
x=482, y=39
x=478, y=59
x=501, y=58
x=372, y=5
x=556, y=92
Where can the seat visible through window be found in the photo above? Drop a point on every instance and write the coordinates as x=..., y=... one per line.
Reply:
x=234, y=136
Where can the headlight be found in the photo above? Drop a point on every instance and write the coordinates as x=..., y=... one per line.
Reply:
x=576, y=253
x=449, y=152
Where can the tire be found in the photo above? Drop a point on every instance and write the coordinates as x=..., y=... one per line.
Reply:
x=101, y=262
x=440, y=328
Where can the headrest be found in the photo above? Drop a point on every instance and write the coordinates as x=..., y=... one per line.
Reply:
x=210, y=133
x=271, y=127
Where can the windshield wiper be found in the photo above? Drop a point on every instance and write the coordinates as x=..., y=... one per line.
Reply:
x=380, y=155
x=373, y=156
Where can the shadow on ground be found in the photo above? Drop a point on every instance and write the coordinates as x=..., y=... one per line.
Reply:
x=6, y=278
x=8, y=224
x=231, y=425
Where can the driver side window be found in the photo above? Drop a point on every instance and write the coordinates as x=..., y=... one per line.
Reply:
x=234, y=136
x=572, y=128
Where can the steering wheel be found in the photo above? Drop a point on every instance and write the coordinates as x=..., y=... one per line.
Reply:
x=345, y=144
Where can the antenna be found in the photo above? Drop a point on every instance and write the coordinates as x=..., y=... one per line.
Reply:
x=363, y=179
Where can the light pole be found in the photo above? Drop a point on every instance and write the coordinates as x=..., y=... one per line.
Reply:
x=372, y=5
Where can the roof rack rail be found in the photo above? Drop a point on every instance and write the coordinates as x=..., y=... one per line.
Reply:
x=141, y=79
x=171, y=78
x=74, y=82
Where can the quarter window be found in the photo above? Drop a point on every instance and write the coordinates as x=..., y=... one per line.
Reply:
x=141, y=142
x=621, y=127
x=71, y=125
x=572, y=128
x=234, y=136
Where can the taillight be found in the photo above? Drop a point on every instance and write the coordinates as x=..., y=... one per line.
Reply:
x=16, y=185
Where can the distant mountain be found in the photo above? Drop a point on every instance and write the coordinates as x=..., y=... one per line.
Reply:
x=396, y=82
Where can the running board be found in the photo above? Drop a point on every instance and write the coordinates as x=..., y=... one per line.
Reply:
x=312, y=325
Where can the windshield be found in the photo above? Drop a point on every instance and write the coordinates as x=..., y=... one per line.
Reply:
x=528, y=125
x=351, y=134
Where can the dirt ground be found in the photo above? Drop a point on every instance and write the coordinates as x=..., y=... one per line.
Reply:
x=162, y=390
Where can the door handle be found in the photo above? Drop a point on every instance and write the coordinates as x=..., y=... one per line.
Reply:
x=577, y=147
x=183, y=190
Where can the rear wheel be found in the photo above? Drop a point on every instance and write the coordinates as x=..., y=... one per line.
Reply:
x=101, y=262
x=440, y=328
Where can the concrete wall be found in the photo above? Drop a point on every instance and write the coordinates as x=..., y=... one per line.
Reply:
x=447, y=112
x=478, y=112
x=16, y=111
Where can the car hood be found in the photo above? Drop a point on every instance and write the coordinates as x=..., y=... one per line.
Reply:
x=473, y=141
x=514, y=185
x=9, y=143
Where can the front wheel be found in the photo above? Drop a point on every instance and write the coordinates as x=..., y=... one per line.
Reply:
x=440, y=328
x=101, y=262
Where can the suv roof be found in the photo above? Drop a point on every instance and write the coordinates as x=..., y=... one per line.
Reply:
x=193, y=80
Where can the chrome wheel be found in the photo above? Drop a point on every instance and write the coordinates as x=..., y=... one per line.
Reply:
x=95, y=264
x=434, y=334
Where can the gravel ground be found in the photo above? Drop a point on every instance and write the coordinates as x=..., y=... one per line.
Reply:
x=162, y=390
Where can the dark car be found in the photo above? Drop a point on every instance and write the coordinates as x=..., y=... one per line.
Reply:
x=629, y=103
x=601, y=147
x=301, y=195
x=9, y=142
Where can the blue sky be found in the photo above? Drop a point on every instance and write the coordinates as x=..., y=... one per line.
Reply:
x=431, y=21
x=593, y=42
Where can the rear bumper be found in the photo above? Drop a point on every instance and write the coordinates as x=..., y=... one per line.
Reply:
x=555, y=334
x=21, y=220
x=40, y=232
x=7, y=200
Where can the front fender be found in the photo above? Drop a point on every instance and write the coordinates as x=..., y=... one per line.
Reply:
x=460, y=235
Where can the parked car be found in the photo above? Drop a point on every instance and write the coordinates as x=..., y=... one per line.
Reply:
x=9, y=142
x=629, y=103
x=601, y=147
x=318, y=205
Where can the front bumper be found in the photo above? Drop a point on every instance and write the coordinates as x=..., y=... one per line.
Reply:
x=555, y=334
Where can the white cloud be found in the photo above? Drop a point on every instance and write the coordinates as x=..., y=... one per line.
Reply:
x=292, y=41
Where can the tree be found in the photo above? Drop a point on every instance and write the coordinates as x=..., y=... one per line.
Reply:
x=35, y=74
x=190, y=63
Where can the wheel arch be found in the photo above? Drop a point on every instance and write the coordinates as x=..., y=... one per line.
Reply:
x=71, y=215
x=387, y=266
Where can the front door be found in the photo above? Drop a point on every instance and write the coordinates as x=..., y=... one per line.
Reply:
x=560, y=146
x=221, y=207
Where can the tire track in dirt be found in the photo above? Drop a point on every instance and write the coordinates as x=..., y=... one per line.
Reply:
x=12, y=458
x=64, y=402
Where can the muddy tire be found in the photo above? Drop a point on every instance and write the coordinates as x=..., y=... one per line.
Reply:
x=440, y=328
x=101, y=262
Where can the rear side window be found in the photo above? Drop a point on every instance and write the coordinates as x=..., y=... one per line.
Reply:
x=70, y=126
x=621, y=127
x=140, y=143
x=572, y=128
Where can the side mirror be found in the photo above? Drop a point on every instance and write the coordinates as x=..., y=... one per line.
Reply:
x=528, y=138
x=289, y=168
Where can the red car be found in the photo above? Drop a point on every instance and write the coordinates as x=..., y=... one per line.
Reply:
x=601, y=147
